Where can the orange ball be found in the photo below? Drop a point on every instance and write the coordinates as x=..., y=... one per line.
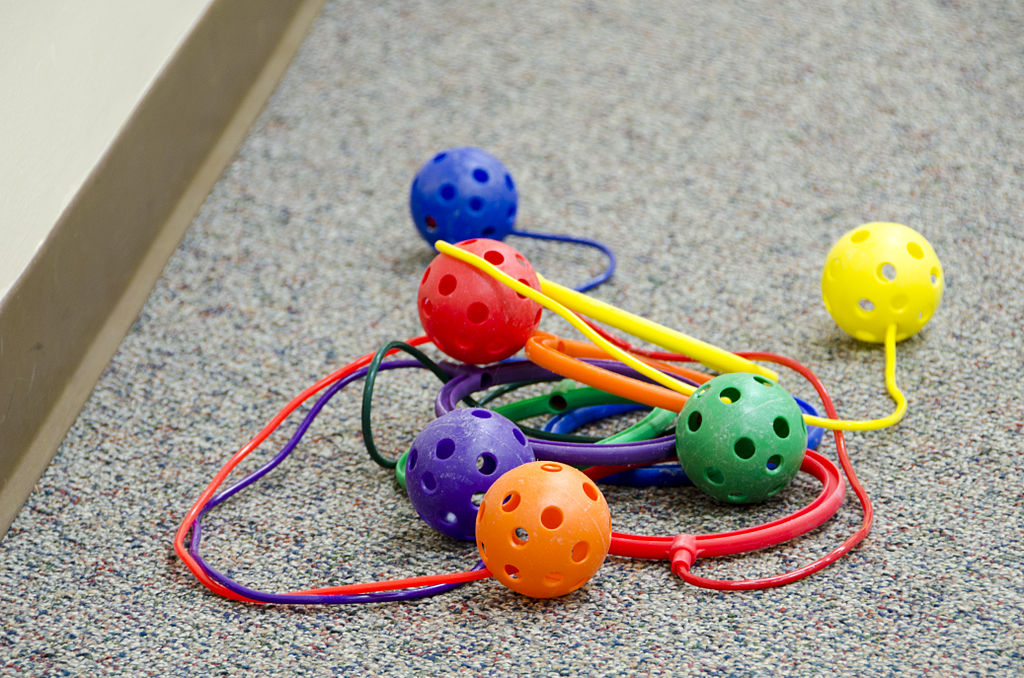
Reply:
x=543, y=529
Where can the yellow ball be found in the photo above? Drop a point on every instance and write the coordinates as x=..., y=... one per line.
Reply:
x=881, y=274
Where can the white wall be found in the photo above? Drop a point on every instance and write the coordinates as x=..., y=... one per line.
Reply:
x=70, y=74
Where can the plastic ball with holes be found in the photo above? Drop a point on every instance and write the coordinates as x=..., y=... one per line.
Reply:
x=454, y=460
x=741, y=438
x=463, y=193
x=471, y=316
x=878, y=275
x=543, y=529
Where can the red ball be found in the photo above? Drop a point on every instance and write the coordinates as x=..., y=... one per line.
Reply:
x=469, y=315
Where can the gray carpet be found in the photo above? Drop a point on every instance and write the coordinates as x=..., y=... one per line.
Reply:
x=720, y=148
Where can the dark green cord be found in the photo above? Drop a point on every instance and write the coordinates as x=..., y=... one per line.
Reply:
x=371, y=377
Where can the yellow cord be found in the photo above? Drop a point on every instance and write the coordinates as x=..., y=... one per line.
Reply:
x=716, y=358
x=890, y=385
x=672, y=340
x=570, y=317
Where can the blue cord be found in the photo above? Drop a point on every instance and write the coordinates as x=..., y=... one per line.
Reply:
x=659, y=475
x=604, y=277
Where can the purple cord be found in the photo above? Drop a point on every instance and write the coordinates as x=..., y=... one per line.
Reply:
x=577, y=454
x=307, y=599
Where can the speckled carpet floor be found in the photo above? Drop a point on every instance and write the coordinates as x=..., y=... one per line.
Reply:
x=720, y=148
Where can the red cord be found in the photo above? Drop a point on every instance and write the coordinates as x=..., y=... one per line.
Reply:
x=655, y=545
x=181, y=536
x=682, y=569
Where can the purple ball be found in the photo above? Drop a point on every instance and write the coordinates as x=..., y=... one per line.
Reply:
x=454, y=460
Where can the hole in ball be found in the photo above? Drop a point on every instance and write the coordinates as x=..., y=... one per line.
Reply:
x=520, y=438
x=520, y=536
x=866, y=305
x=693, y=421
x=915, y=250
x=481, y=414
x=431, y=224
x=763, y=381
x=477, y=312
x=580, y=551
x=445, y=448
x=512, y=571
x=486, y=463
x=887, y=272
x=494, y=257
x=553, y=578
x=449, y=518
x=737, y=496
x=428, y=482
x=410, y=463
x=714, y=476
x=447, y=192
x=508, y=183
x=476, y=204
x=591, y=492
x=860, y=236
x=447, y=285
x=744, y=448
x=440, y=156
x=774, y=462
x=551, y=517
x=510, y=502
x=551, y=468
x=729, y=395
x=480, y=174
x=477, y=499
x=781, y=427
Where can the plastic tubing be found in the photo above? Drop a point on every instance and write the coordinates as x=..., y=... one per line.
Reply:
x=599, y=279
x=683, y=549
x=577, y=454
x=642, y=328
x=216, y=582
x=574, y=320
x=564, y=301
x=778, y=531
x=890, y=386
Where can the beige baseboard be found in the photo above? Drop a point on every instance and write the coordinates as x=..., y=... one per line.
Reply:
x=68, y=311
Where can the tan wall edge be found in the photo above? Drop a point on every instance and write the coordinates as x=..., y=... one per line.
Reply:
x=69, y=310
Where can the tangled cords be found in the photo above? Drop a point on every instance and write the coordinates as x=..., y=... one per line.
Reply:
x=679, y=550
x=528, y=521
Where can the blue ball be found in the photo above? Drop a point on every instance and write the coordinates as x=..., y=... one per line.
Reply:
x=453, y=462
x=463, y=193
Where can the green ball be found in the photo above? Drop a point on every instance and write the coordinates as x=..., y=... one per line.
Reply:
x=741, y=438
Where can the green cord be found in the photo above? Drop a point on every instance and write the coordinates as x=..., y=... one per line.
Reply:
x=657, y=422
x=367, y=406
x=371, y=378
x=503, y=390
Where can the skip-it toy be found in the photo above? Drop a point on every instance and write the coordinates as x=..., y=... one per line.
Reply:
x=731, y=425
